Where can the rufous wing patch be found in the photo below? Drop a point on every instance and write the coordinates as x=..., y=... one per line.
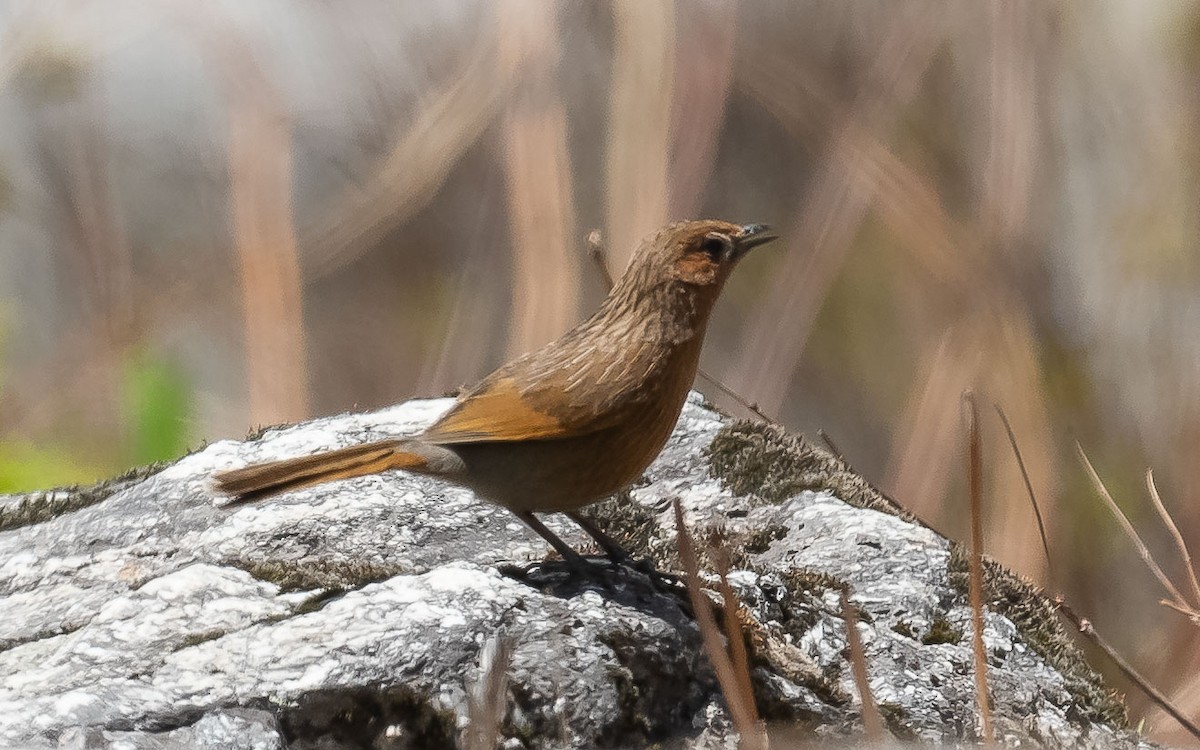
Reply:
x=495, y=412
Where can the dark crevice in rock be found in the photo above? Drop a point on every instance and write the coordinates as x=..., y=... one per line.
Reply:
x=329, y=579
x=796, y=606
x=618, y=584
x=179, y=717
x=904, y=628
x=759, y=541
x=896, y=720
x=204, y=636
x=529, y=718
x=653, y=706
x=366, y=719
x=42, y=635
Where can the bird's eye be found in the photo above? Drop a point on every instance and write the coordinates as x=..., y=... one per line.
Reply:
x=716, y=246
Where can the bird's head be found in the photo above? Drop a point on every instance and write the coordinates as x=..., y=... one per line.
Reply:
x=703, y=253
x=688, y=263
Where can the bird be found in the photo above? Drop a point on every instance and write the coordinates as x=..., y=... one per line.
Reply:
x=570, y=423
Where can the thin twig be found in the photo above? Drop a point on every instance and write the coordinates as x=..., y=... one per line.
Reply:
x=1191, y=613
x=832, y=446
x=733, y=633
x=872, y=720
x=1128, y=528
x=1169, y=522
x=837, y=452
x=1085, y=627
x=750, y=405
x=975, y=480
x=906, y=513
x=1037, y=511
x=745, y=718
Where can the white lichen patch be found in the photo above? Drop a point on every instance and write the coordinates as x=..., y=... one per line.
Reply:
x=135, y=631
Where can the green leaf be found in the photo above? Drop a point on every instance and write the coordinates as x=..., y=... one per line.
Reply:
x=157, y=408
x=25, y=467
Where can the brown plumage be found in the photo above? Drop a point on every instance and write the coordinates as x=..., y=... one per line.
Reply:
x=574, y=421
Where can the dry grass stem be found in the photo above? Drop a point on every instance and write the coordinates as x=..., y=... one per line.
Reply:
x=1180, y=544
x=1177, y=602
x=260, y=202
x=872, y=720
x=451, y=364
x=538, y=168
x=745, y=403
x=742, y=710
x=1088, y=631
x=702, y=87
x=1012, y=144
x=595, y=251
x=975, y=481
x=408, y=177
x=260, y=190
x=639, y=132
x=1127, y=527
x=921, y=464
x=1190, y=612
x=1037, y=511
x=733, y=629
x=834, y=208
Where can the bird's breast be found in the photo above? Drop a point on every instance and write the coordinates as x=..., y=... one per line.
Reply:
x=565, y=473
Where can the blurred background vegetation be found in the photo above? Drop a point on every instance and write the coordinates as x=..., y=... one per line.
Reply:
x=227, y=214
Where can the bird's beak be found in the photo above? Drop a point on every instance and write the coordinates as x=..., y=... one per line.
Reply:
x=753, y=235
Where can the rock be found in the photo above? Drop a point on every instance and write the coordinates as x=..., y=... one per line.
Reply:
x=141, y=613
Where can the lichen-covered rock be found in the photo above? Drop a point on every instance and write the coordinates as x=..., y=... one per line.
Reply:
x=142, y=613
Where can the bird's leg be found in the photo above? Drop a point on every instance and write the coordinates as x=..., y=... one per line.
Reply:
x=615, y=551
x=619, y=554
x=570, y=556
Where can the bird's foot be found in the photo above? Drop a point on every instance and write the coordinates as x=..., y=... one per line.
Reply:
x=574, y=568
x=645, y=566
x=577, y=568
x=661, y=580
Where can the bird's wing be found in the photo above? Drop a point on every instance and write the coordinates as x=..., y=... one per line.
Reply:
x=497, y=411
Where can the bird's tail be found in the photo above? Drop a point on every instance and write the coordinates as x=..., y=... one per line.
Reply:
x=266, y=479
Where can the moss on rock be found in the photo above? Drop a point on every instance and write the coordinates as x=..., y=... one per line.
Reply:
x=307, y=574
x=752, y=458
x=40, y=507
x=630, y=524
x=942, y=631
x=1040, y=626
x=762, y=460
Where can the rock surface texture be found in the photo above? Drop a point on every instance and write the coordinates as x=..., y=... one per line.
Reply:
x=142, y=614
